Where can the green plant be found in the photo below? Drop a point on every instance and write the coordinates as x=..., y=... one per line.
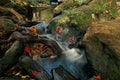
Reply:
x=83, y=18
x=71, y=11
x=105, y=6
x=97, y=8
x=80, y=18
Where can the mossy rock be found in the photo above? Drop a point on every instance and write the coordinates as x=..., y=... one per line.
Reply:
x=102, y=46
x=6, y=24
x=11, y=56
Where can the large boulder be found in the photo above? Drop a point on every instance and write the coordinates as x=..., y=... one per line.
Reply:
x=102, y=43
x=7, y=26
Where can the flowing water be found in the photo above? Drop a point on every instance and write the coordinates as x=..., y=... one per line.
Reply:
x=73, y=60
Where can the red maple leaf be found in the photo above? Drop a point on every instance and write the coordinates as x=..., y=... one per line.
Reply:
x=72, y=38
x=27, y=49
x=98, y=77
x=58, y=30
x=34, y=73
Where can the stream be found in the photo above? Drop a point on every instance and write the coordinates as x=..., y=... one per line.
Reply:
x=73, y=59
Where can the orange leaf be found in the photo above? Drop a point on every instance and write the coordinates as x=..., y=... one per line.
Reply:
x=110, y=2
x=98, y=77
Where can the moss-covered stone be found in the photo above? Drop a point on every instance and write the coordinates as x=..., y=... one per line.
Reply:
x=102, y=45
x=6, y=24
x=82, y=16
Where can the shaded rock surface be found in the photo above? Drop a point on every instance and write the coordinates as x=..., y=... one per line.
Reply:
x=102, y=43
x=6, y=24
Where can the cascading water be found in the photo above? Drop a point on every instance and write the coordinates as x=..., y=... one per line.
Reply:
x=72, y=59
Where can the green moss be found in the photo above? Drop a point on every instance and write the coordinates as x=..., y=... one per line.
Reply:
x=106, y=10
x=80, y=18
x=7, y=24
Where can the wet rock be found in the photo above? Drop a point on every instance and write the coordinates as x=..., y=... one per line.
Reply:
x=11, y=56
x=6, y=28
x=102, y=43
x=6, y=24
